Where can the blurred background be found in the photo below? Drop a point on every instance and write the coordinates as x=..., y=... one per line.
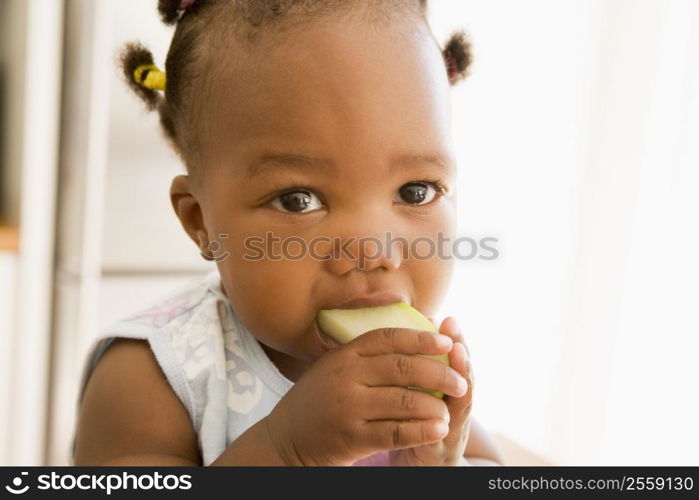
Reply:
x=577, y=136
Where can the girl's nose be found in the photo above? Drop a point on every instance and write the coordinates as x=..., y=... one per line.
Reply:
x=365, y=253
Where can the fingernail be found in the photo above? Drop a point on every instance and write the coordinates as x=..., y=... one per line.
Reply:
x=463, y=385
x=444, y=340
x=443, y=428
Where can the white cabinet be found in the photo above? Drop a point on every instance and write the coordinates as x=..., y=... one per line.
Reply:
x=8, y=265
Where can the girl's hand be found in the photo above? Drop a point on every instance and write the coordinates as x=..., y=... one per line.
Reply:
x=354, y=401
x=450, y=450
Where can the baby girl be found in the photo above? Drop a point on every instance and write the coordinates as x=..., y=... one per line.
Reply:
x=324, y=121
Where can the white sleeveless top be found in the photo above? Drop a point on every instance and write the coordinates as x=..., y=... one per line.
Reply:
x=213, y=363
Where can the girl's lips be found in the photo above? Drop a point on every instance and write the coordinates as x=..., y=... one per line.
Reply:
x=372, y=300
x=326, y=341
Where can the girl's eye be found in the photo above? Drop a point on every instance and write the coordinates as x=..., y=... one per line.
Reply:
x=297, y=202
x=418, y=193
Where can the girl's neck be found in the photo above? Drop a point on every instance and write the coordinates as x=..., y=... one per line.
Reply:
x=291, y=368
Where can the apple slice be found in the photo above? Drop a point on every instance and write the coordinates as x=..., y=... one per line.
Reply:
x=344, y=325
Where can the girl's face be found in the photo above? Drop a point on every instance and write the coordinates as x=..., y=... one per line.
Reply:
x=318, y=144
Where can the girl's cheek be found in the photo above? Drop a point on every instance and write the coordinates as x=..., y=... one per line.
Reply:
x=430, y=279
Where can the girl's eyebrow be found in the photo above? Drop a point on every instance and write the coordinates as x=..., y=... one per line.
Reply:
x=267, y=160
x=438, y=160
x=293, y=160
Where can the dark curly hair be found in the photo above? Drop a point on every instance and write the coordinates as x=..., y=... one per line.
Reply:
x=201, y=23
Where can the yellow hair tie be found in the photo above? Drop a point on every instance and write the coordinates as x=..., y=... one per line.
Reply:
x=155, y=79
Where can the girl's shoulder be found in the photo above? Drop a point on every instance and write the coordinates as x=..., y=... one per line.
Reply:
x=129, y=415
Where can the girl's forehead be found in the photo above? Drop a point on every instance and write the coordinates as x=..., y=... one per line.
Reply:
x=354, y=86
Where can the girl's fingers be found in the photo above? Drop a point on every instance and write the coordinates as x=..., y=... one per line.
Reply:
x=459, y=361
x=400, y=340
x=398, y=434
x=400, y=370
x=460, y=407
x=450, y=327
x=399, y=403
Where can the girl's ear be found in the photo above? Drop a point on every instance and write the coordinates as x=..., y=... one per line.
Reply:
x=189, y=212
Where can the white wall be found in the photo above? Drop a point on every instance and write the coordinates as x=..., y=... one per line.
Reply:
x=141, y=164
x=519, y=129
x=577, y=146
